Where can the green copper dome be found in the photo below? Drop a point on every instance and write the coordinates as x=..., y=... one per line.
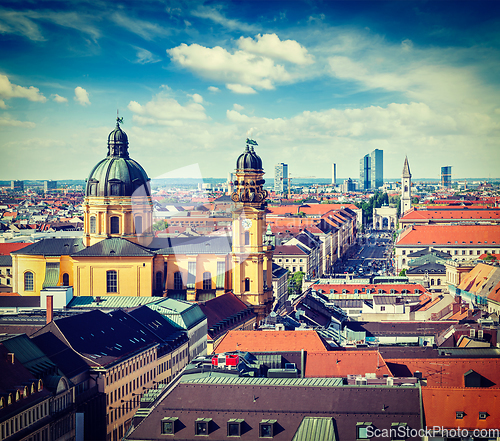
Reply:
x=117, y=174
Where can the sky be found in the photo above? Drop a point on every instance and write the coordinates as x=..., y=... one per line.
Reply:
x=312, y=82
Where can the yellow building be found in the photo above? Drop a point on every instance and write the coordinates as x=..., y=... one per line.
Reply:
x=119, y=255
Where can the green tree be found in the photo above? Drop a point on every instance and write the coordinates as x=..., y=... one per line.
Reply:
x=295, y=282
x=160, y=225
x=402, y=273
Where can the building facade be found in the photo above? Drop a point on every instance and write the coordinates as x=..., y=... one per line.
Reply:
x=281, y=178
x=446, y=176
x=377, y=169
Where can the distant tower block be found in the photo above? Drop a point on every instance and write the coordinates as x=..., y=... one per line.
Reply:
x=334, y=174
x=405, y=188
x=446, y=176
x=281, y=178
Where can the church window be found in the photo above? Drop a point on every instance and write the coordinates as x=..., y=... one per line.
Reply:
x=406, y=187
x=138, y=225
x=432, y=281
x=115, y=189
x=115, y=225
x=178, y=280
x=65, y=279
x=111, y=281
x=28, y=281
x=247, y=238
x=92, y=224
x=207, y=280
x=247, y=284
x=159, y=281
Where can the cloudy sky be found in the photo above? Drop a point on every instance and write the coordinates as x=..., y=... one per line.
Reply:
x=313, y=82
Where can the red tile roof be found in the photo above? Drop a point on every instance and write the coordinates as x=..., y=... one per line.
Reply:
x=448, y=372
x=272, y=341
x=432, y=235
x=442, y=403
x=451, y=213
x=343, y=363
x=475, y=279
x=288, y=250
x=7, y=248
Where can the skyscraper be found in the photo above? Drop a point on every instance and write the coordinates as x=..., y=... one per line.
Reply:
x=371, y=170
x=334, y=174
x=446, y=176
x=377, y=169
x=281, y=178
x=365, y=172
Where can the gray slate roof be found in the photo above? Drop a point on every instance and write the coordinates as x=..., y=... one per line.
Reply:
x=52, y=247
x=429, y=268
x=196, y=245
x=114, y=247
x=6, y=260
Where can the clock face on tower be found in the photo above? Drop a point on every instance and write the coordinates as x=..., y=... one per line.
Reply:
x=247, y=223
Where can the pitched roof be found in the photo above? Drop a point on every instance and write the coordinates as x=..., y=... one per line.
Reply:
x=271, y=341
x=480, y=277
x=344, y=363
x=451, y=213
x=7, y=248
x=114, y=247
x=429, y=268
x=448, y=372
x=452, y=235
x=442, y=403
x=289, y=250
x=52, y=247
x=192, y=245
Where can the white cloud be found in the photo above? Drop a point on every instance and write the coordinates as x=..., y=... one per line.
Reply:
x=238, y=69
x=9, y=90
x=239, y=88
x=214, y=15
x=237, y=107
x=269, y=45
x=7, y=120
x=407, y=45
x=59, y=99
x=213, y=89
x=145, y=57
x=3, y=105
x=144, y=29
x=14, y=22
x=164, y=110
x=81, y=96
x=197, y=98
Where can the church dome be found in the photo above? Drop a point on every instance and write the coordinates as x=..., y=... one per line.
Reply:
x=117, y=174
x=249, y=160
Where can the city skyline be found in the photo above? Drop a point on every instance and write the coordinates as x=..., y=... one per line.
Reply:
x=313, y=83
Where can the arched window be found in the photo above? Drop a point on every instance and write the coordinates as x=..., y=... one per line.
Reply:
x=28, y=281
x=111, y=281
x=406, y=187
x=159, y=281
x=115, y=225
x=138, y=225
x=178, y=281
x=247, y=284
x=207, y=280
x=432, y=281
x=65, y=279
x=247, y=238
x=93, y=228
x=438, y=281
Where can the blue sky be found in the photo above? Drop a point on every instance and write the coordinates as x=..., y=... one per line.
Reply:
x=313, y=82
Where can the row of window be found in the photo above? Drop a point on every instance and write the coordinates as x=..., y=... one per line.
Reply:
x=29, y=280
x=205, y=426
x=123, y=371
x=293, y=260
x=24, y=419
x=114, y=225
x=456, y=252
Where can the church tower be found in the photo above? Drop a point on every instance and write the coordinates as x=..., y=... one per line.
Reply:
x=118, y=196
x=251, y=254
x=405, y=188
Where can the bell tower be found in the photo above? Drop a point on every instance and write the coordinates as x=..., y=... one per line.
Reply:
x=405, y=188
x=251, y=255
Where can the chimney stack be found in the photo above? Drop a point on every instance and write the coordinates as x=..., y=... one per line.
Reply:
x=50, y=309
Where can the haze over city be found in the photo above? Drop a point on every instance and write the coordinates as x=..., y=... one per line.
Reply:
x=312, y=82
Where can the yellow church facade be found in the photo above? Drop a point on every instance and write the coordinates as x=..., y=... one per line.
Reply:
x=118, y=254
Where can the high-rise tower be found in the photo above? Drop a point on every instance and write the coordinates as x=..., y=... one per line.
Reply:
x=405, y=188
x=377, y=169
x=446, y=176
x=281, y=178
x=252, y=258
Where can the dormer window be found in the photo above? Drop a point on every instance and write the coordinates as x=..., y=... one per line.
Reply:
x=234, y=427
x=266, y=428
x=168, y=425
x=460, y=415
x=202, y=426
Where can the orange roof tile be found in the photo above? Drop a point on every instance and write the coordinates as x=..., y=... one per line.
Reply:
x=343, y=363
x=442, y=403
x=475, y=279
x=448, y=372
x=470, y=235
x=494, y=294
x=451, y=213
x=7, y=248
x=271, y=341
x=374, y=288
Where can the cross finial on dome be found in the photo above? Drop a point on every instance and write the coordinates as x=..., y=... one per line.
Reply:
x=118, y=119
